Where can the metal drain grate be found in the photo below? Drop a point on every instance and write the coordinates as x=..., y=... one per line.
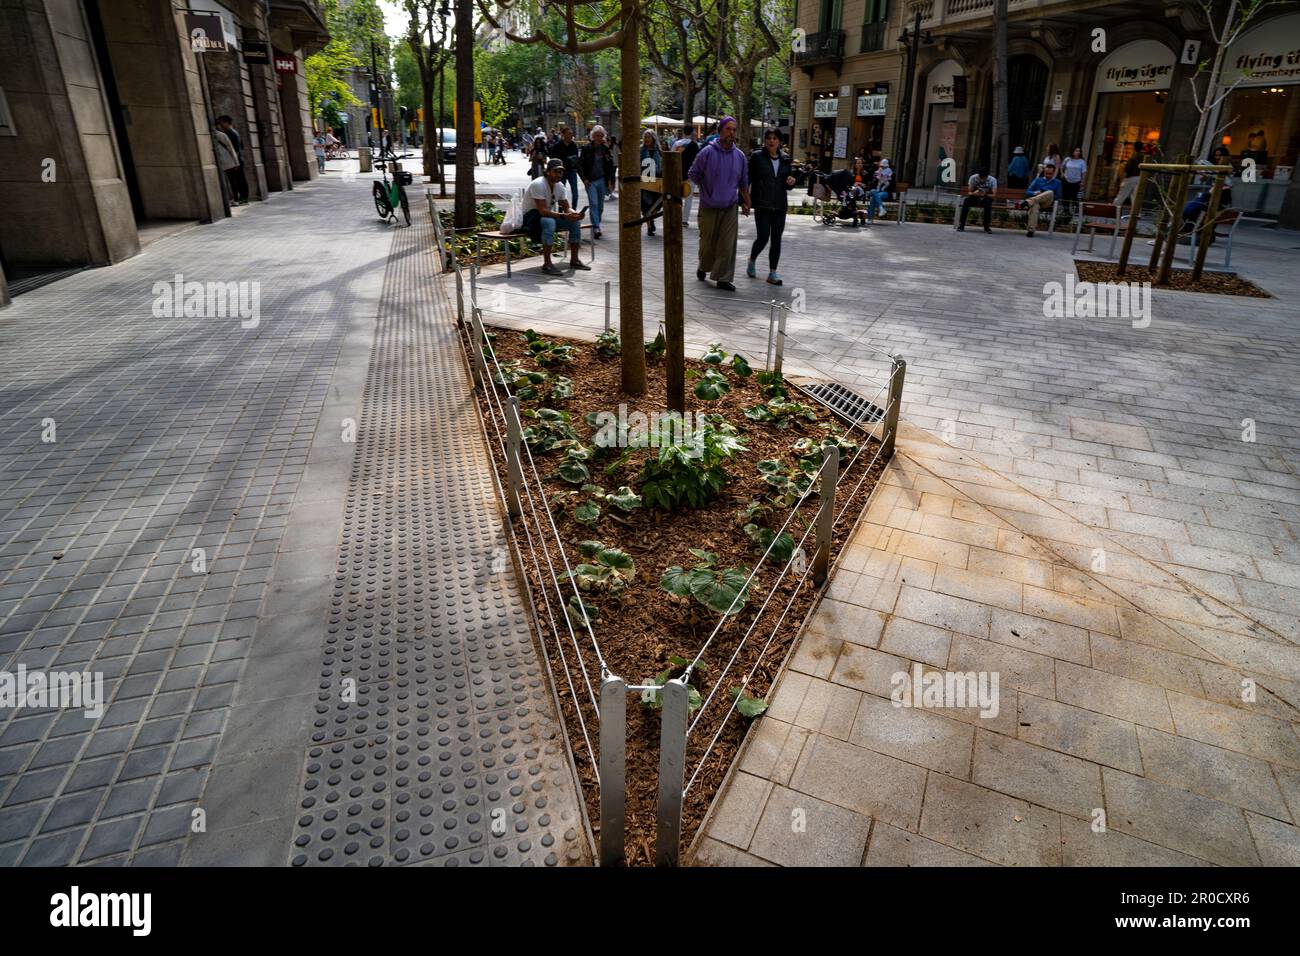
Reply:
x=844, y=402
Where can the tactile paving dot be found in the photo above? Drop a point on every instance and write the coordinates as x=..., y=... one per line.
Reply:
x=432, y=708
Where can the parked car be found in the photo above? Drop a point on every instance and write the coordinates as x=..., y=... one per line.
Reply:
x=448, y=143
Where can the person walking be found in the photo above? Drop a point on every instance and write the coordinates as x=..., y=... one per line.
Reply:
x=1018, y=169
x=1129, y=182
x=690, y=147
x=721, y=173
x=1039, y=196
x=596, y=166
x=318, y=145
x=652, y=166
x=566, y=150
x=770, y=178
x=553, y=206
x=537, y=157
x=236, y=177
x=981, y=186
x=1072, y=175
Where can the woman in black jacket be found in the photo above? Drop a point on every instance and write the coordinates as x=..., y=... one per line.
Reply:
x=770, y=178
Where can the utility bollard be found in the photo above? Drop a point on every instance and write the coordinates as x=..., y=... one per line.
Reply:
x=896, y=374
x=826, y=514
x=514, y=470
x=780, y=336
x=613, y=768
x=672, y=770
x=606, y=305
x=771, y=333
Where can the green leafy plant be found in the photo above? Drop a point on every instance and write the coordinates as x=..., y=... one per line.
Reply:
x=656, y=347
x=623, y=498
x=690, y=473
x=715, y=355
x=740, y=366
x=747, y=705
x=712, y=385
x=587, y=513
x=547, y=352
x=809, y=450
x=772, y=383
x=609, y=570
x=573, y=468
x=607, y=344
x=723, y=590
x=575, y=609
x=788, y=484
x=549, y=427
x=782, y=545
x=781, y=413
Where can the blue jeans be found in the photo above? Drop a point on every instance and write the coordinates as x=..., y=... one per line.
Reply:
x=596, y=200
x=550, y=225
x=878, y=197
x=571, y=178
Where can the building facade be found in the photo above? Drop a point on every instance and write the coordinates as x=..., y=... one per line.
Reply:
x=106, y=118
x=1108, y=77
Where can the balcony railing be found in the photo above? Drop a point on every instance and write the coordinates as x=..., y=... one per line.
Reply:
x=938, y=12
x=873, y=37
x=824, y=47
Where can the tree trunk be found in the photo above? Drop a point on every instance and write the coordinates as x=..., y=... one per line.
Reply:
x=744, y=91
x=689, y=89
x=465, y=203
x=999, y=148
x=428, y=149
x=630, y=330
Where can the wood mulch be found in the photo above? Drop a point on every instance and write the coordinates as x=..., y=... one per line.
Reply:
x=646, y=626
x=1180, y=280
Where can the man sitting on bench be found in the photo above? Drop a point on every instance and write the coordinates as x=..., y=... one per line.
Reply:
x=982, y=186
x=1042, y=192
x=552, y=206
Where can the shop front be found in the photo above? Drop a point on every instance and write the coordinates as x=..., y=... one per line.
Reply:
x=825, y=144
x=1128, y=111
x=870, y=104
x=1261, y=116
x=945, y=104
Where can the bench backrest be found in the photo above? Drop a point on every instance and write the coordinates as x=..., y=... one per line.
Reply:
x=1100, y=210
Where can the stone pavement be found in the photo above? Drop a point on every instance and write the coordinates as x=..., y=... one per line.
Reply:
x=1075, y=507
x=184, y=511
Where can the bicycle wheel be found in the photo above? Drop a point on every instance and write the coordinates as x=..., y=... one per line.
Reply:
x=382, y=205
x=406, y=207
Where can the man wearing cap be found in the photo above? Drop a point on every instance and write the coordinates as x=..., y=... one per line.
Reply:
x=721, y=174
x=552, y=205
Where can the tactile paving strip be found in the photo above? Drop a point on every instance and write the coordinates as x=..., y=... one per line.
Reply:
x=435, y=738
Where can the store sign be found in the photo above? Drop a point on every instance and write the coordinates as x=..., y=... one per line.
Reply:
x=830, y=106
x=257, y=52
x=286, y=64
x=206, y=33
x=1266, y=55
x=940, y=85
x=1140, y=65
x=841, y=142
x=871, y=105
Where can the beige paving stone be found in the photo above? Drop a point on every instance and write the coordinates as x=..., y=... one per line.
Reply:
x=785, y=701
x=1274, y=697
x=1083, y=585
x=1050, y=638
x=925, y=547
x=711, y=852
x=942, y=610
x=916, y=735
x=1234, y=728
x=773, y=750
x=1288, y=781
x=839, y=620
x=816, y=655
x=1254, y=656
x=890, y=846
x=1041, y=776
x=1016, y=669
x=1080, y=612
x=995, y=591
x=829, y=708
x=1139, y=626
x=1223, y=775
x=1082, y=846
x=990, y=825
x=1012, y=567
x=1082, y=733
x=1278, y=843
x=916, y=641
x=873, y=593
x=1115, y=696
x=936, y=504
x=1177, y=819
x=798, y=829
x=739, y=812
x=862, y=780
x=868, y=670
x=1144, y=663
x=970, y=511
x=952, y=529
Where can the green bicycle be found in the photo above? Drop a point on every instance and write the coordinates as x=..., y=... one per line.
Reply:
x=390, y=196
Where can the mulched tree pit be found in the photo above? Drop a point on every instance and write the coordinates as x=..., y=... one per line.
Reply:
x=647, y=626
x=1180, y=280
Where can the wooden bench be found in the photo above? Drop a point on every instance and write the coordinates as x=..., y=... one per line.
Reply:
x=1225, y=224
x=1097, y=217
x=899, y=205
x=1008, y=200
x=505, y=238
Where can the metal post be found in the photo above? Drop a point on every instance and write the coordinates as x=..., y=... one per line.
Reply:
x=826, y=514
x=514, y=471
x=606, y=305
x=473, y=284
x=771, y=333
x=896, y=375
x=780, y=336
x=460, y=296
x=613, y=768
x=672, y=770
x=477, y=363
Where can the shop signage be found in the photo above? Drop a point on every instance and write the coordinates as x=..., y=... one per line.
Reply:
x=206, y=33
x=871, y=105
x=828, y=106
x=286, y=64
x=940, y=86
x=841, y=142
x=257, y=52
x=1137, y=66
x=1058, y=100
x=1191, y=52
x=1266, y=55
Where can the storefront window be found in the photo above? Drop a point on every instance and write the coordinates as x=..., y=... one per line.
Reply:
x=1266, y=130
x=1126, y=123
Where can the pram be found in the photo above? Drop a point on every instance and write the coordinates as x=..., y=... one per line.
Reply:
x=836, y=198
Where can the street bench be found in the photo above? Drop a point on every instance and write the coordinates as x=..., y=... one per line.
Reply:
x=505, y=238
x=899, y=205
x=1009, y=200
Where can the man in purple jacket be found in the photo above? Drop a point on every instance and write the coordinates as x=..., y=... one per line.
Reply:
x=720, y=174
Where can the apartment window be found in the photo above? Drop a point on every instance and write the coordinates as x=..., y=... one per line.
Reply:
x=829, y=16
x=874, y=25
x=877, y=11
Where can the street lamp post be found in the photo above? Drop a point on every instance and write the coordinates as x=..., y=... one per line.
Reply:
x=913, y=40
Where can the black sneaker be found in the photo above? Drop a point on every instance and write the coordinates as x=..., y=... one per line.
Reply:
x=699, y=274
x=726, y=287
x=961, y=228
x=988, y=232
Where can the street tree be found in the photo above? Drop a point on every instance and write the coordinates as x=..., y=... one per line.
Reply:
x=676, y=49
x=427, y=41
x=746, y=33
x=466, y=213
x=998, y=149
x=1225, y=23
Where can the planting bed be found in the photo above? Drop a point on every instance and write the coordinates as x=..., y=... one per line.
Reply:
x=645, y=632
x=1180, y=280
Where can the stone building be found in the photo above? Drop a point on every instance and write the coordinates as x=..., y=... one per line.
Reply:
x=106, y=115
x=1109, y=77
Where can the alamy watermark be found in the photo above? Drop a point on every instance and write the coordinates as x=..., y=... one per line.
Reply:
x=942, y=689
x=1098, y=300
x=656, y=430
x=208, y=300
x=66, y=690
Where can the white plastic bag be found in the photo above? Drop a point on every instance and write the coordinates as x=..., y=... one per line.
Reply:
x=514, y=219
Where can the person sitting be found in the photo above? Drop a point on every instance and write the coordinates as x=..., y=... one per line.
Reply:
x=981, y=187
x=552, y=205
x=884, y=183
x=1042, y=192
